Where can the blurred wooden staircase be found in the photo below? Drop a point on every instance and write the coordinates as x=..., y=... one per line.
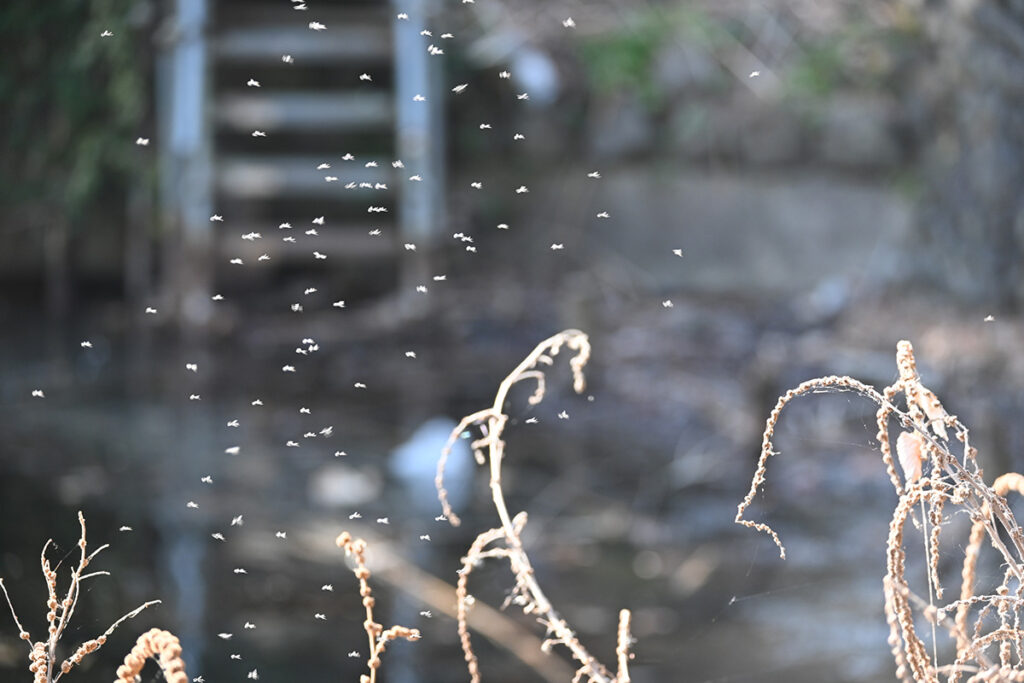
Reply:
x=314, y=109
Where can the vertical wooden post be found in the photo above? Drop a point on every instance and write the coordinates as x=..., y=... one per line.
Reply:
x=186, y=194
x=419, y=131
x=186, y=203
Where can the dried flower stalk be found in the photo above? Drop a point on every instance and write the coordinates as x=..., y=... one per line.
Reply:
x=160, y=644
x=527, y=592
x=378, y=636
x=934, y=478
x=44, y=664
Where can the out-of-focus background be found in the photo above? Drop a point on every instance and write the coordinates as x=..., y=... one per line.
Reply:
x=836, y=176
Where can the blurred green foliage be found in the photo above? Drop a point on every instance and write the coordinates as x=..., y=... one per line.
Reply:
x=72, y=101
x=864, y=52
x=622, y=61
x=817, y=72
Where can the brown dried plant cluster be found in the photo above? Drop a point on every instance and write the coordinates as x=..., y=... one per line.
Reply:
x=44, y=663
x=527, y=592
x=157, y=644
x=378, y=636
x=163, y=646
x=940, y=474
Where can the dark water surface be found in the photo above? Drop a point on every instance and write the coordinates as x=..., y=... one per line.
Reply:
x=631, y=499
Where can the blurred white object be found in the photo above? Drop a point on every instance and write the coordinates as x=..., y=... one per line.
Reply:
x=337, y=485
x=414, y=463
x=535, y=72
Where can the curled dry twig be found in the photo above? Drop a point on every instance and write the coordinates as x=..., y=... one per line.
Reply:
x=934, y=477
x=527, y=592
x=162, y=646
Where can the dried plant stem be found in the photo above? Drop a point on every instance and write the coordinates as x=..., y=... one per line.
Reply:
x=931, y=584
x=22, y=633
x=934, y=477
x=622, y=649
x=1001, y=486
x=527, y=592
x=475, y=555
x=378, y=636
x=43, y=654
x=502, y=629
x=160, y=644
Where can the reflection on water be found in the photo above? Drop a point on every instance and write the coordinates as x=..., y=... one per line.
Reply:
x=628, y=507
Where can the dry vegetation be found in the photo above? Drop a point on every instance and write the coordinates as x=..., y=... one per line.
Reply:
x=978, y=636
x=159, y=645
x=378, y=636
x=501, y=542
x=45, y=665
x=163, y=646
x=527, y=592
x=983, y=635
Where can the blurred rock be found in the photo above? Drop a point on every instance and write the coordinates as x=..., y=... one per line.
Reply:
x=859, y=131
x=620, y=127
x=681, y=68
x=694, y=131
x=748, y=235
x=701, y=129
x=770, y=134
x=744, y=129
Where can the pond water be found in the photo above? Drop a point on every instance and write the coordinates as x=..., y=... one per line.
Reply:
x=631, y=501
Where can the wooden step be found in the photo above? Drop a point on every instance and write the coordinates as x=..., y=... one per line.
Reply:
x=305, y=111
x=256, y=177
x=348, y=241
x=230, y=13
x=356, y=41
